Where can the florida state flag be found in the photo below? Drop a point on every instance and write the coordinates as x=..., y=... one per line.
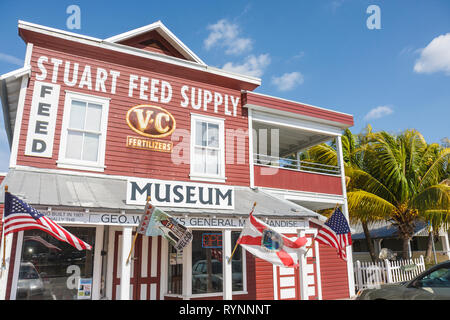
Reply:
x=265, y=243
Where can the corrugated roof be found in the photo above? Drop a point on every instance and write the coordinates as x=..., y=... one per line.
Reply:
x=384, y=229
x=92, y=192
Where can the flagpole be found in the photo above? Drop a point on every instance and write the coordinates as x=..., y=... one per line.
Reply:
x=237, y=242
x=314, y=240
x=3, y=236
x=136, y=235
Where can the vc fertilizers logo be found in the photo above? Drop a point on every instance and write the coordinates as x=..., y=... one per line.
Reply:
x=151, y=121
x=271, y=240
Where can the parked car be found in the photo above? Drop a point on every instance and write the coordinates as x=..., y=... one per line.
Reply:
x=200, y=275
x=30, y=284
x=432, y=284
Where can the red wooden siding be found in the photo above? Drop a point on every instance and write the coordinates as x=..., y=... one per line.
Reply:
x=152, y=41
x=333, y=273
x=298, y=180
x=121, y=160
x=298, y=108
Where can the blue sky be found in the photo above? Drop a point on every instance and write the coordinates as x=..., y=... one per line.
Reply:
x=317, y=52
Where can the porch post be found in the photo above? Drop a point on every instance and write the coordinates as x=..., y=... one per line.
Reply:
x=125, y=274
x=351, y=277
x=303, y=276
x=97, y=274
x=227, y=271
x=187, y=272
x=250, y=148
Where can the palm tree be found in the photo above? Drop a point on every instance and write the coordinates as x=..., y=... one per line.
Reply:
x=393, y=178
x=401, y=182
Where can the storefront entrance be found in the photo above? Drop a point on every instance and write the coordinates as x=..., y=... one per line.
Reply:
x=145, y=268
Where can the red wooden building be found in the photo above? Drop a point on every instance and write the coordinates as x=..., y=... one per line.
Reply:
x=97, y=125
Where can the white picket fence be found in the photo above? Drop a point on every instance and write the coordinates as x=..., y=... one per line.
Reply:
x=371, y=275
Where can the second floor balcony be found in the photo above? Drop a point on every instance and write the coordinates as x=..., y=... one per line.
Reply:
x=280, y=141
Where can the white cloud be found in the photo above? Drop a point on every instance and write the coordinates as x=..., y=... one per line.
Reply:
x=378, y=112
x=226, y=34
x=252, y=65
x=435, y=56
x=11, y=59
x=288, y=81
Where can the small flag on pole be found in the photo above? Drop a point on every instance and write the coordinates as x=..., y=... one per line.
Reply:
x=155, y=222
x=21, y=216
x=265, y=243
x=336, y=233
x=165, y=225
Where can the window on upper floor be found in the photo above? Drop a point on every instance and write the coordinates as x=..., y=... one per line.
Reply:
x=83, y=133
x=207, y=148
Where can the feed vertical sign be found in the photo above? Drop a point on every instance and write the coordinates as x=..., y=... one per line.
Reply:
x=42, y=123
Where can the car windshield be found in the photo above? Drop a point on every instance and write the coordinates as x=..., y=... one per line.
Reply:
x=437, y=278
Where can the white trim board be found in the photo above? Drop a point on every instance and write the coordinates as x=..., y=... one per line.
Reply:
x=102, y=44
x=295, y=121
x=165, y=33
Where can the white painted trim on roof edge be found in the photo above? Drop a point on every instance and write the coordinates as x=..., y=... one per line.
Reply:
x=25, y=70
x=166, y=34
x=305, y=195
x=296, y=102
x=293, y=120
x=20, y=107
x=134, y=51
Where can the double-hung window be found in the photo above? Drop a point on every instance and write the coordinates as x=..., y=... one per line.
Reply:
x=83, y=133
x=207, y=148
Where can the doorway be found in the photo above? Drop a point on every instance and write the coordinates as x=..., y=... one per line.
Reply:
x=145, y=268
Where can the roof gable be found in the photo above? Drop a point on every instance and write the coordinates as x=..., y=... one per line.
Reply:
x=157, y=38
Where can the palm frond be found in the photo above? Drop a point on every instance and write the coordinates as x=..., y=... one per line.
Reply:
x=436, y=171
x=365, y=206
x=365, y=181
x=436, y=197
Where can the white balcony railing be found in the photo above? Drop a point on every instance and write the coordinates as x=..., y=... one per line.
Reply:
x=295, y=164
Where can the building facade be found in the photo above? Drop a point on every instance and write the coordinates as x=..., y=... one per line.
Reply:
x=96, y=126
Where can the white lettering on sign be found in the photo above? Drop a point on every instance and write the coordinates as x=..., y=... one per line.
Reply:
x=152, y=90
x=42, y=123
x=179, y=194
x=128, y=219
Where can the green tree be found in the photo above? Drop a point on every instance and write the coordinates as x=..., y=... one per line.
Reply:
x=401, y=182
x=397, y=178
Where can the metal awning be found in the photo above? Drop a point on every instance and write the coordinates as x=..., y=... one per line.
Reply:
x=10, y=85
x=56, y=190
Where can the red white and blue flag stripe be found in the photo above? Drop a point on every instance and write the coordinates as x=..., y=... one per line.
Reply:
x=284, y=253
x=336, y=233
x=21, y=216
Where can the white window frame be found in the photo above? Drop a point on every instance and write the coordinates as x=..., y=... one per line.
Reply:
x=202, y=176
x=62, y=161
x=219, y=293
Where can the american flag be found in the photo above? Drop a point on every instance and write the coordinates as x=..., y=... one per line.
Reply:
x=21, y=216
x=336, y=233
